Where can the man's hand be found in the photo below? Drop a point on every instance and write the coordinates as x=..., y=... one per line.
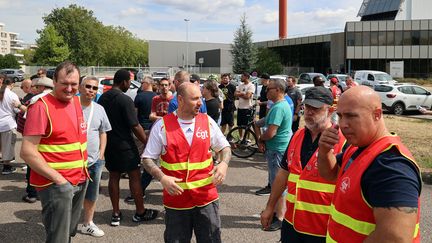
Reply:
x=61, y=181
x=329, y=138
x=170, y=185
x=219, y=173
x=266, y=217
x=261, y=146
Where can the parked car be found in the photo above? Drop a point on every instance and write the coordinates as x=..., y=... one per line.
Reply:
x=371, y=78
x=398, y=98
x=50, y=73
x=306, y=79
x=157, y=76
x=16, y=74
x=107, y=84
x=340, y=77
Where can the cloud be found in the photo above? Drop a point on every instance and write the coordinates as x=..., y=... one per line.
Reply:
x=199, y=6
x=132, y=12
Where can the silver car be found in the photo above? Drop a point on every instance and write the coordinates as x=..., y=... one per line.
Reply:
x=16, y=74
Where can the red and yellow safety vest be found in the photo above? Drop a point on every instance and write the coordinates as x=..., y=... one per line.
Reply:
x=65, y=147
x=192, y=164
x=309, y=195
x=351, y=217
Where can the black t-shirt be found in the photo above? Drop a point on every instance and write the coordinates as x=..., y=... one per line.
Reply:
x=295, y=94
x=390, y=181
x=213, y=108
x=26, y=98
x=307, y=150
x=263, y=94
x=228, y=91
x=143, y=102
x=122, y=116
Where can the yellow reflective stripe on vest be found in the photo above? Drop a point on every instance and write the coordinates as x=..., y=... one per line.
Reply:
x=417, y=229
x=329, y=239
x=195, y=184
x=290, y=198
x=358, y=226
x=293, y=178
x=186, y=165
x=68, y=165
x=311, y=207
x=316, y=186
x=49, y=148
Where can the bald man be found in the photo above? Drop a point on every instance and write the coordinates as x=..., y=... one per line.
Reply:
x=189, y=176
x=378, y=183
x=26, y=86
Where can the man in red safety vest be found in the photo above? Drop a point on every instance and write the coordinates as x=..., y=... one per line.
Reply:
x=55, y=148
x=184, y=140
x=378, y=183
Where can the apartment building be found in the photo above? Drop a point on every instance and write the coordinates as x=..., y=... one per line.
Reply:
x=10, y=44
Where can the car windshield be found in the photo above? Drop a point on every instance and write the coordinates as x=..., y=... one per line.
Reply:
x=383, y=77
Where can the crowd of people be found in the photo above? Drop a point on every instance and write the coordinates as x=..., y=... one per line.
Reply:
x=332, y=180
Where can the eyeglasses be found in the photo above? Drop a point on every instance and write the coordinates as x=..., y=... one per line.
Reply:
x=88, y=86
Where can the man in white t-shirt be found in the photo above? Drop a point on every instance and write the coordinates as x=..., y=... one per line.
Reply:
x=183, y=140
x=244, y=92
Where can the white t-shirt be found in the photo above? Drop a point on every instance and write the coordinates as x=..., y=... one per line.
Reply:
x=157, y=140
x=245, y=88
x=8, y=111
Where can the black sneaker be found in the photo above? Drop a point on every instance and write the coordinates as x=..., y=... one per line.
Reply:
x=275, y=225
x=29, y=199
x=149, y=214
x=8, y=169
x=130, y=199
x=264, y=191
x=115, y=219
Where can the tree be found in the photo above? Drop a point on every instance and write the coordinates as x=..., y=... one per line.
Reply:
x=243, y=49
x=52, y=49
x=28, y=56
x=9, y=61
x=268, y=62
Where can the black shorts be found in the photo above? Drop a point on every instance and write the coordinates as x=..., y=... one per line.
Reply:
x=122, y=160
x=243, y=117
x=227, y=118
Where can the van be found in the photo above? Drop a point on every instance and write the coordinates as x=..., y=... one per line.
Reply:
x=372, y=78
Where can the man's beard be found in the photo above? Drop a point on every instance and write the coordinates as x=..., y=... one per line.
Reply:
x=318, y=124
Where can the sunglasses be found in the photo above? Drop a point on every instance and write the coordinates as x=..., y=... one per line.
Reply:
x=88, y=86
x=193, y=81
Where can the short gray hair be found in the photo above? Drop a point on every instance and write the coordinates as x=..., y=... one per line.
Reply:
x=89, y=78
x=147, y=79
x=279, y=83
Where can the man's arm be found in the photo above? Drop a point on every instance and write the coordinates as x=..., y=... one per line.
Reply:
x=102, y=145
x=269, y=133
x=393, y=224
x=30, y=154
x=139, y=133
x=168, y=182
x=277, y=189
x=153, y=117
x=219, y=171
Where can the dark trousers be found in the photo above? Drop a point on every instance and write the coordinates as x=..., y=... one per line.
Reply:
x=31, y=191
x=146, y=178
x=61, y=210
x=290, y=235
x=203, y=221
x=295, y=125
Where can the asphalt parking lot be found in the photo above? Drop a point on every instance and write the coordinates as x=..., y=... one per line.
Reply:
x=239, y=209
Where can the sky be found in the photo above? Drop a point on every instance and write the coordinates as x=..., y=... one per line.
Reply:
x=209, y=20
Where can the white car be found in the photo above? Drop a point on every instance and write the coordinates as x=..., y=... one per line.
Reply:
x=371, y=78
x=401, y=97
x=306, y=79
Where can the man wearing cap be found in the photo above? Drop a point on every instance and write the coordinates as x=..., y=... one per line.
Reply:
x=309, y=196
x=183, y=77
x=263, y=96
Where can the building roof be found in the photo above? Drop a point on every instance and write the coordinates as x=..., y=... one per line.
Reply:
x=371, y=7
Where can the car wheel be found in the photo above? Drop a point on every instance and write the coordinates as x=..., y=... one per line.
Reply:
x=16, y=79
x=398, y=109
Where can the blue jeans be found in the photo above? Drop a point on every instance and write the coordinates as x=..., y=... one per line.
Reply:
x=274, y=159
x=95, y=172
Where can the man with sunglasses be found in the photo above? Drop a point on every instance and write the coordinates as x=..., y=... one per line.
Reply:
x=42, y=72
x=97, y=126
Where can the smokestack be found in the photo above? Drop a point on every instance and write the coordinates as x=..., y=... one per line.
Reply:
x=283, y=19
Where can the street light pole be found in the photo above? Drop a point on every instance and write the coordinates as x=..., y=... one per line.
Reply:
x=187, y=44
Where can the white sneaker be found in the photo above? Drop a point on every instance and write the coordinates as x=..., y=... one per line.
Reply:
x=91, y=229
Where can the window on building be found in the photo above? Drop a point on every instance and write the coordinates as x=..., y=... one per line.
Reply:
x=366, y=38
x=374, y=38
x=398, y=38
x=390, y=38
x=407, y=38
x=358, y=38
x=382, y=38
x=350, y=39
x=424, y=38
x=415, y=37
